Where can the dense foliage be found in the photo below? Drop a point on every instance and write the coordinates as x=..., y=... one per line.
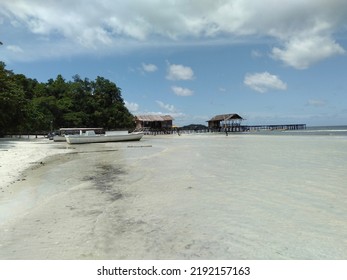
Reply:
x=28, y=106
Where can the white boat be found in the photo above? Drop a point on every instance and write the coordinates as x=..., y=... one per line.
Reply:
x=59, y=138
x=90, y=137
x=60, y=135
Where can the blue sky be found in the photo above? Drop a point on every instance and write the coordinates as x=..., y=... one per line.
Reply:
x=192, y=59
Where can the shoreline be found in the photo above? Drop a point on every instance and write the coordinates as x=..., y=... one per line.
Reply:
x=20, y=158
x=20, y=154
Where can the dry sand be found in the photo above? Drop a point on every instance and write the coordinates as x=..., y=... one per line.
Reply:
x=19, y=156
x=170, y=197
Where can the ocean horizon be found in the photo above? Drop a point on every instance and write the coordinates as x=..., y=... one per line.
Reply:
x=335, y=130
x=332, y=130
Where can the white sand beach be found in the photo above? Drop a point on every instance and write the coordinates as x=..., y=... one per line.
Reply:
x=176, y=197
x=19, y=154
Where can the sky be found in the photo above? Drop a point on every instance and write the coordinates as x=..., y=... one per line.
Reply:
x=272, y=62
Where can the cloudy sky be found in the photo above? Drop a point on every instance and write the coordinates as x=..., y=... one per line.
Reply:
x=272, y=62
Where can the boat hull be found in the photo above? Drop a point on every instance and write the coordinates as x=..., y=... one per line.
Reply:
x=59, y=138
x=84, y=139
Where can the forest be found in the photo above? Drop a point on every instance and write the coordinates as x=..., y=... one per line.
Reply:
x=31, y=107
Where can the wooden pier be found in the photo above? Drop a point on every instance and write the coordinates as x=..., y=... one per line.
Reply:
x=244, y=128
x=274, y=127
x=232, y=123
x=247, y=128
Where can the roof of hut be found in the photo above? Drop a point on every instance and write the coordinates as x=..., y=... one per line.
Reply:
x=154, y=118
x=226, y=117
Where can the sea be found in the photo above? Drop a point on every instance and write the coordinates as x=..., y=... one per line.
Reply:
x=260, y=195
x=320, y=130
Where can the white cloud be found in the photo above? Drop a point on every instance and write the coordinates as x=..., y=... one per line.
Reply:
x=182, y=91
x=168, y=107
x=256, y=54
x=149, y=67
x=15, y=49
x=263, y=82
x=179, y=72
x=316, y=103
x=300, y=53
x=132, y=107
x=304, y=30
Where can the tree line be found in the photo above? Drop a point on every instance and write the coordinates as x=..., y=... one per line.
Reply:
x=30, y=107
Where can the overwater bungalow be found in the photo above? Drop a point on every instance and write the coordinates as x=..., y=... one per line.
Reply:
x=226, y=122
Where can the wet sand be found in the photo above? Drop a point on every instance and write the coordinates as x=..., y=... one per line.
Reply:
x=188, y=197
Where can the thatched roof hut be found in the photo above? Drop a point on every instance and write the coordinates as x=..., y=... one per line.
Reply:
x=154, y=121
x=224, y=120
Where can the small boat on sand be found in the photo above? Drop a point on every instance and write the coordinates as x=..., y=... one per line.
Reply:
x=59, y=136
x=89, y=136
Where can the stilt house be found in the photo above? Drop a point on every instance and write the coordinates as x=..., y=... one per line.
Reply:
x=154, y=122
x=228, y=122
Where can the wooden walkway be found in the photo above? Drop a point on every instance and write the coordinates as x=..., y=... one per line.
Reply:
x=275, y=127
x=245, y=128
x=232, y=128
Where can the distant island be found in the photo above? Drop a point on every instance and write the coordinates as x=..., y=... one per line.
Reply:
x=195, y=127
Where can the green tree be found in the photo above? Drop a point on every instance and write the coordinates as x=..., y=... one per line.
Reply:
x=36, y=121
x=12, y=102
x=111, y=112
x=29, y=106
x=106, y=92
